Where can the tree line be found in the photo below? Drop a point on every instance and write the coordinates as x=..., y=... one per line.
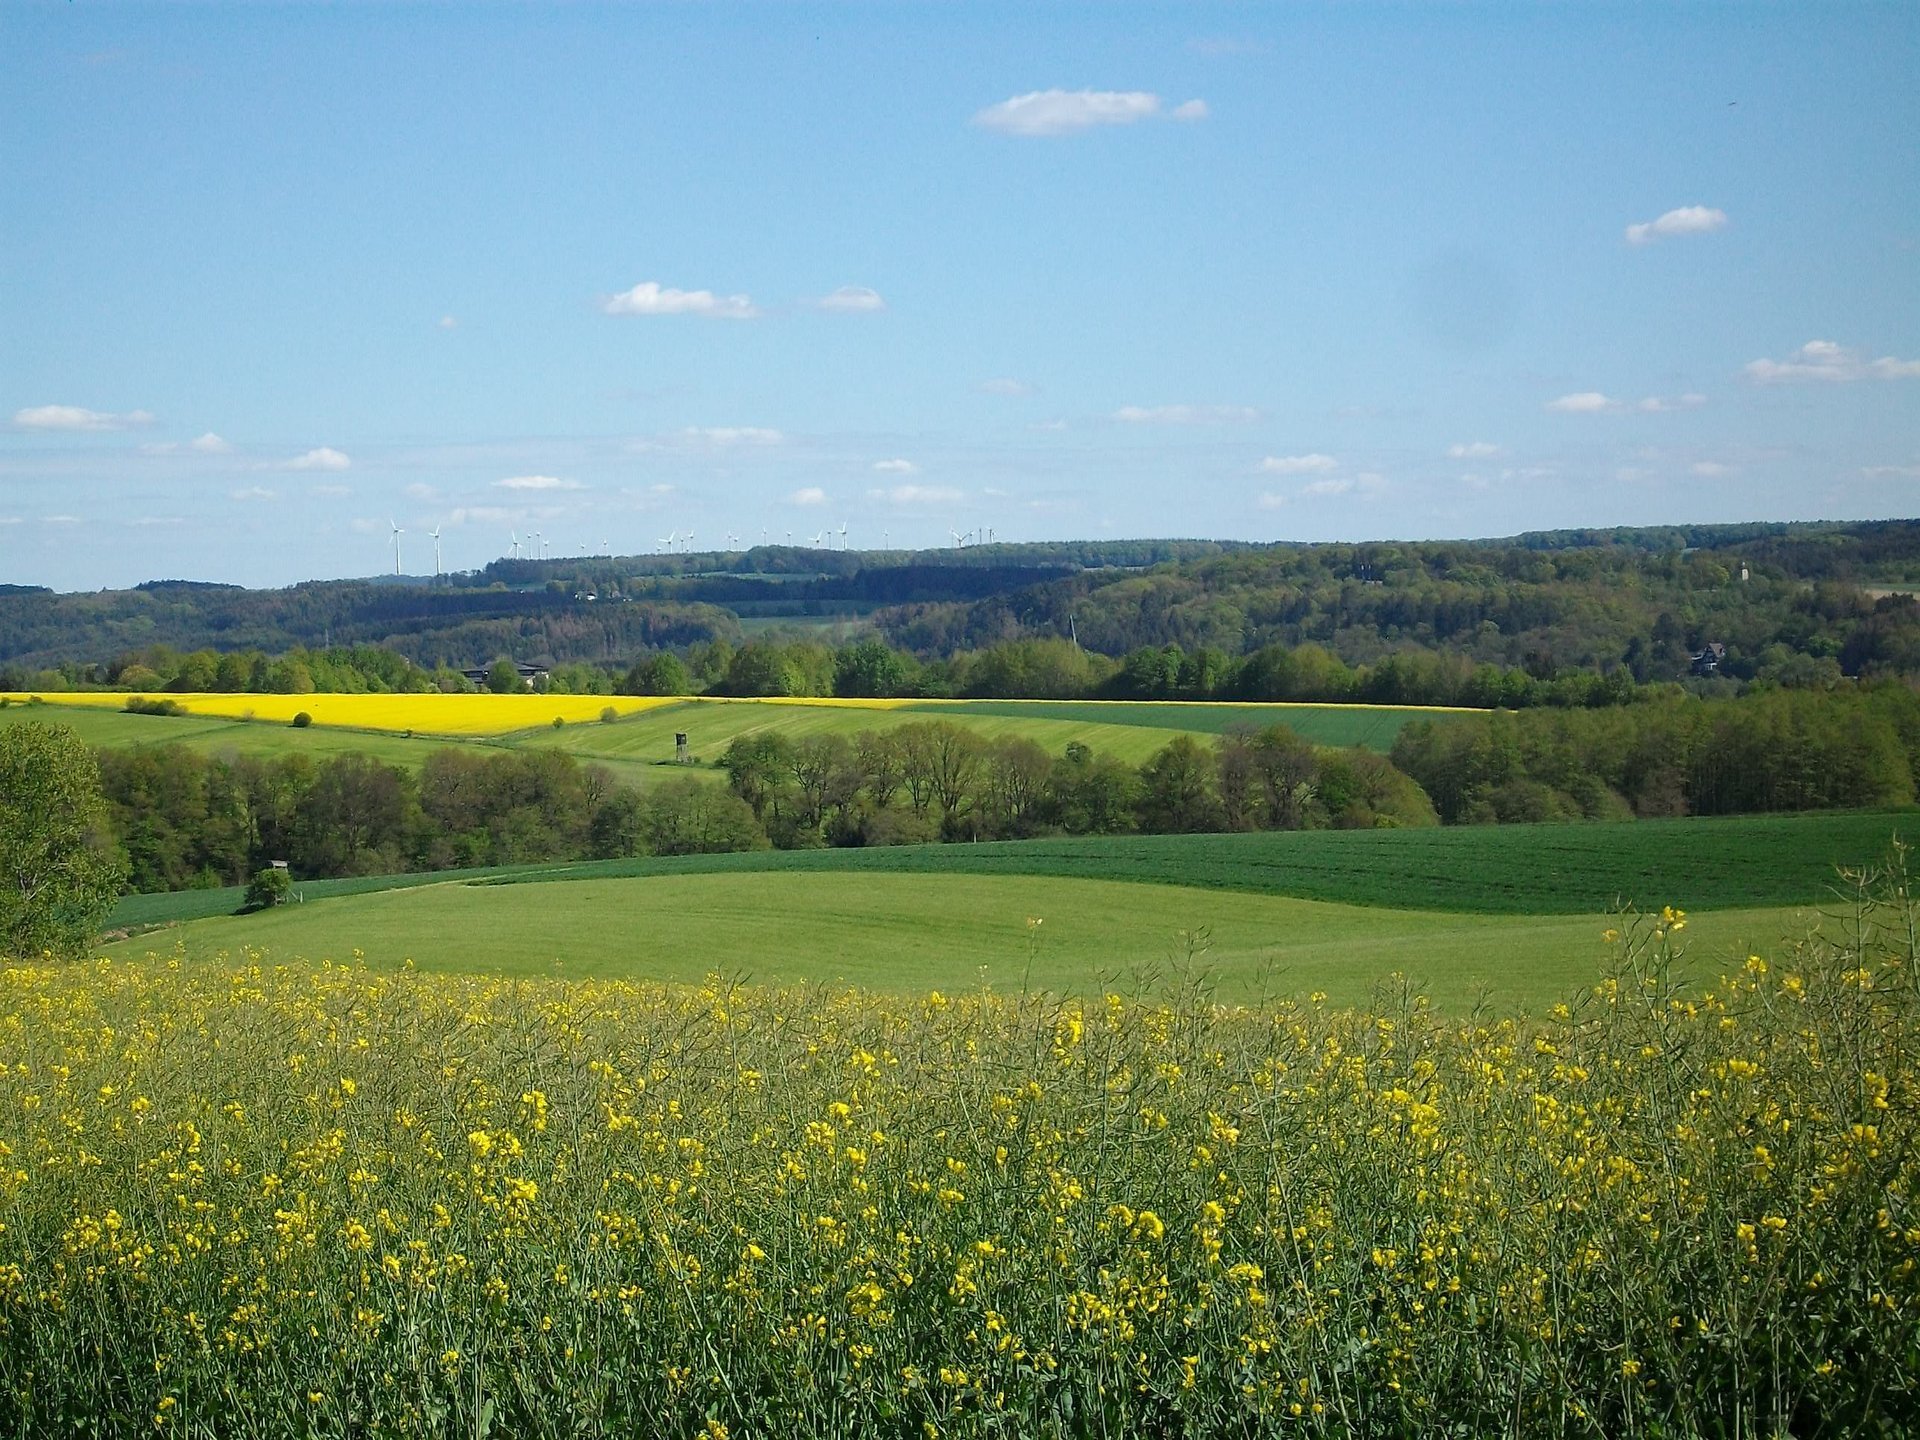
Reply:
x=1772, y=751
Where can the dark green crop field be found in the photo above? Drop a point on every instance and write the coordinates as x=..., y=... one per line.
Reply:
x=1490, y=870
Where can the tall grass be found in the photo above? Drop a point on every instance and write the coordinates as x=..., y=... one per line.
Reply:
x=256, y=1199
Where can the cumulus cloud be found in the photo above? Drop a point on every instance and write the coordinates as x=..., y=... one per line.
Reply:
x=325, y=458
x=77, y=417
x=808, y=495
x=209, y=444
x=251, y=492
x=1065, y=112
x=1687, y=220
x=536, y=482
x=918, y=495
x=851, y=299
x=650, y=297
x=1186, y=414
x=1314, y=464
x=1006, y=388
x=896, y=467
x=1366, y=482
x=1824, y=360
x=1593, y=402
x=1472, y=450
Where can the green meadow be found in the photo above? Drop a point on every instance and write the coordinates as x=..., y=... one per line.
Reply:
x=913, y=933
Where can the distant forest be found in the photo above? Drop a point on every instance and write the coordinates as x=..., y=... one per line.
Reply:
x=1566, y=618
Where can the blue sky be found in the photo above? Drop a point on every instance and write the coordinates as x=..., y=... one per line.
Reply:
x=274, y=278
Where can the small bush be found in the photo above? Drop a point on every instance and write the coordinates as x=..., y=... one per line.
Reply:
x=607, y=714
x=302, y=720
x=558, y=721
x=268, y=888
x=141, y=705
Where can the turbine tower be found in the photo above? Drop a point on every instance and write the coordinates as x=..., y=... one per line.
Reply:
x=435, y=533
x=397, y=533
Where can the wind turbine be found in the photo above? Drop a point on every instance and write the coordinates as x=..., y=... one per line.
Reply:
x=666, y=543
x=435, y=533
x=689, y=542
x=959, y=540
x=397, y=533
x=513, y=537
x=843, y=534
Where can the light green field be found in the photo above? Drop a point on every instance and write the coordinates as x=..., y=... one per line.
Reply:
x=118, y=730
x=914, y=933
x=639, y=749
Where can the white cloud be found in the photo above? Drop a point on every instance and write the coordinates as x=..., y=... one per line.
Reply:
x=1063, y=112
x=209, y=444
x=896, y=467
x=481, y=515
x=1584, y=402
x=918, y=495
x=1891, y=472
x=11, y=520
x=1687, y=220
x=1824, y=360
x=1314, y=464
x=1006, y=388
x=649, y=297
x=332, y=492
x=1271, y=501
x=535, y=482
x=421, y=491
x=1186, y=414
x=808, y=495
x=1472, y=450
x=448, y=322
x=149, y=522
x=325, y=458
x=1320, y=488
x=76, y=417
x=851, y=299
x=1592, y=402
x=1710, y=469
x=723, y=435
x=1191, y=110
x=251, y=492
x=59, y=519
x=1049, y=425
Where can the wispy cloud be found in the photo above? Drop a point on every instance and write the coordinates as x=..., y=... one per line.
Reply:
x=1824, y=360
x=209, y=444
x=332, y=492
x=1314, y=464
x=1710, y=469
x=650, y=297
x=807, y=496
x=1687, y=220
x=1891, y=472
x=918, y=495
x=1593, y=402
x=851, y=299
x=325, y=458
x=1186, y=414
x=449, y=322
x=1065, y=112
x=59, y=519
x=896, y=467
x=251, y=492
x=725, y=435
x=1006, y=388
x=536, y=482
x=78, y=417
x=1472, y=450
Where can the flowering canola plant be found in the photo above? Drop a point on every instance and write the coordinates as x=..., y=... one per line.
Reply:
x=425, y=714
x=249, y=1198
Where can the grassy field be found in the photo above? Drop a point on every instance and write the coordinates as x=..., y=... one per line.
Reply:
x=910, y=934
x=215, y=735
x=1699, y=865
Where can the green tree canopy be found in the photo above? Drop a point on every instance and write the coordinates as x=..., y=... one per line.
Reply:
x=57, y=878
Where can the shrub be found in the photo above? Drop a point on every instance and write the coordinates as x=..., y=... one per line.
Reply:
x=302, y=720
x=268, y=888
x=142, y=705
x=608, y=715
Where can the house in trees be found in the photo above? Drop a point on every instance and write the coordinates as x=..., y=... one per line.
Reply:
x=1708, y=659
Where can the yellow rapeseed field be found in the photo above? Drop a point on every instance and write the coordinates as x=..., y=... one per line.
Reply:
x=430, y=714
x=274, y=1199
